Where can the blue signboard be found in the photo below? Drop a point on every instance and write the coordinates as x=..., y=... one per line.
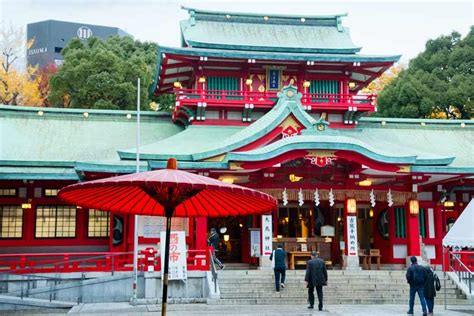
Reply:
x=273, y=79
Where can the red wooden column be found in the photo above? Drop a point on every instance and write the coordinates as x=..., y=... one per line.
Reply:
x=413, y=232
x=201, y=232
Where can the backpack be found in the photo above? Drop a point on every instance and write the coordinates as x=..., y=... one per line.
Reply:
x=437, y=283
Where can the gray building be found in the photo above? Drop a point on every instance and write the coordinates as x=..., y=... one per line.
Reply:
x=51, y=36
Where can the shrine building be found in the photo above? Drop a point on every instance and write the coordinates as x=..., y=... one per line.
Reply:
x=271, y=102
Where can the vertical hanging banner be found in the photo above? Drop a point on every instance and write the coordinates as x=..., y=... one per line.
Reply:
x=177, y=260
x=267, y=235
x=351, y=236
x=273, y=79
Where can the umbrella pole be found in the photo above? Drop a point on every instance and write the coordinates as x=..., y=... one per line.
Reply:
x=165, y=272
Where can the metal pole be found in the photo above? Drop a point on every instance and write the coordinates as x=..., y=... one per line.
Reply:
x=165, y=272
x=135, y=231
x=444, y=273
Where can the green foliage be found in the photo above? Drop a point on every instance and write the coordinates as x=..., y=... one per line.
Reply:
x=102, y=74
x=439, y=82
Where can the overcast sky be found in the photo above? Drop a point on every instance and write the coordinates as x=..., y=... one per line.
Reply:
x=380, y=27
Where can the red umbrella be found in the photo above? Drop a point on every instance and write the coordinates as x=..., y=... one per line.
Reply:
x=168, y=192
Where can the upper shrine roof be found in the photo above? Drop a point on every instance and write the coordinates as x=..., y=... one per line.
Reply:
x=267, y=32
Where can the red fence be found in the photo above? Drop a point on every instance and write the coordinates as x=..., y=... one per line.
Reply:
x=267, y=99
x=93, y=262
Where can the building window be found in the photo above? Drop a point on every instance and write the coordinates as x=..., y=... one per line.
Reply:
x=400, y=223
x=55, y=221
x=51, y=192
x=11, y=222
x=58, y=49
x=98, y=225
x=7, y=192
x=422, y=222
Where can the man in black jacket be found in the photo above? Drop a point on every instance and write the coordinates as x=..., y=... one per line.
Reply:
x=316, y=277
x=213, y=241
x=416, y=278
x=278, y=257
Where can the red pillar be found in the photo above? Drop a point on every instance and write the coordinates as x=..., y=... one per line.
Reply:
x=201, y=232
x=413, y=233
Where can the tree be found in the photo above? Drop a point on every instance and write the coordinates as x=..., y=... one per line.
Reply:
x=381, y=82
x=439, y=82
x=17, y=87
x=102, y=74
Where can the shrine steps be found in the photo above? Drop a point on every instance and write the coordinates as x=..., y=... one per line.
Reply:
x=344, y=287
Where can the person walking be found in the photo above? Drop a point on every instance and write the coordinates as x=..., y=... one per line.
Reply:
x=278, y=257
x=416, y=278
x=213, y=241
x=432, y=284
x=316, y=277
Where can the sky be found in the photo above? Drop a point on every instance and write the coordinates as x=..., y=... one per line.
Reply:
x=380, y=27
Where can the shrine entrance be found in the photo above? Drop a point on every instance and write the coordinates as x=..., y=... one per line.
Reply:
x=233, y=233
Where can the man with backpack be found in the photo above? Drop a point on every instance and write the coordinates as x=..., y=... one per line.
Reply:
x=416, y=278
x=278, y=258
x=432, y=285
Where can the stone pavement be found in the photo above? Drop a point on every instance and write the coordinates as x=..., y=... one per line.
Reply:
x=114, y=309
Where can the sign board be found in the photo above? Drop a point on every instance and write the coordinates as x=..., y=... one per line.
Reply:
x=177, y=260
x=267, y=236
x=273, y=79
x=152, y=226
x=254, y=242
x=352, y=236
x=327, y=231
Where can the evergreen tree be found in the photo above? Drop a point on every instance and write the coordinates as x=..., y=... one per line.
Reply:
x=439, y=82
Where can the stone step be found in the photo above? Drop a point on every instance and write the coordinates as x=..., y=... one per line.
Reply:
x=392, y=291
x=329, y=301
x=340, y=295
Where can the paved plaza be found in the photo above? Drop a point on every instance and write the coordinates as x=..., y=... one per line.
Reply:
x=103, y=309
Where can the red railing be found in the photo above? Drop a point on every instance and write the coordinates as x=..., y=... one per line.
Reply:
x=92, y=262
x=267, y=99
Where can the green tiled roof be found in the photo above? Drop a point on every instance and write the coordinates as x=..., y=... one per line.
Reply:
x=253, y=32
x=45, y=137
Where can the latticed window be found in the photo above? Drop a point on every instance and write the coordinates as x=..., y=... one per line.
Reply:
x=7, y=192
x=98, y=225
x=400, y=223
x=55, y=221
x=51, y=192
x=11, y=221
x=422, y=222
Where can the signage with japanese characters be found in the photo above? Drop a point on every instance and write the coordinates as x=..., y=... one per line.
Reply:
x=273, y=77
x=152, y=226
x=351, y=236
x=267, y=237
x=177, y=262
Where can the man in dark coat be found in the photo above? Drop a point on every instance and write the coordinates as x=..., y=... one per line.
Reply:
x=316, y=277
x=416, y=278
x=213, y=241
x=278, y=257
x=432, y=284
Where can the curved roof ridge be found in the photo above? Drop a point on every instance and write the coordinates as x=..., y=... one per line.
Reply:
x=288, y=103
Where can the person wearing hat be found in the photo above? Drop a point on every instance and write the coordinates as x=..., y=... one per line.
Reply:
x=316, y=277
x=213, y=241
x=416, y=278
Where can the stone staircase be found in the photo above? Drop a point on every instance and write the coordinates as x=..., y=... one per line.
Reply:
x=344, y=287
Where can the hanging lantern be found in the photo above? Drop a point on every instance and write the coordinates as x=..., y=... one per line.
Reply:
x=414, y=207
x=351, y=205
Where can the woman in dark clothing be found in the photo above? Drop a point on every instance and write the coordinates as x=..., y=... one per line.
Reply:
x=432, y=284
